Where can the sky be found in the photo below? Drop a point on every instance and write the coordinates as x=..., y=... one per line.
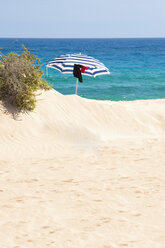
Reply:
x=82, y=18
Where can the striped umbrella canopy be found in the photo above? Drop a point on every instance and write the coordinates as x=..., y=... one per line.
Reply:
x=65, y=64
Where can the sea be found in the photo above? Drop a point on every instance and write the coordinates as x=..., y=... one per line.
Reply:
x=137, y=65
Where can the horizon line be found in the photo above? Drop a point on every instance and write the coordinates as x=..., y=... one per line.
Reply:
x=82, y=37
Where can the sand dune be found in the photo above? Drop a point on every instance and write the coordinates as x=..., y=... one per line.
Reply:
x=83, y=173
x=72, y=121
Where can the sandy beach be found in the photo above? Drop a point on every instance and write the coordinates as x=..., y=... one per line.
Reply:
x=83, y=173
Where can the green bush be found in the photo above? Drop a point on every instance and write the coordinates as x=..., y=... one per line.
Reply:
x=20, y=78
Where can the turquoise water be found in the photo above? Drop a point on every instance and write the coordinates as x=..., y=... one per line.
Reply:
x=137, y=66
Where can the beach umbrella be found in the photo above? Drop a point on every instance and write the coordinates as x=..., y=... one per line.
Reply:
x=77, y=64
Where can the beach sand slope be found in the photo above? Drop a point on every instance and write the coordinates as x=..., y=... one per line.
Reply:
x=83, y=173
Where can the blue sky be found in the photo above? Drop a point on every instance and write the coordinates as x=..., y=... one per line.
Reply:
x=82, y=18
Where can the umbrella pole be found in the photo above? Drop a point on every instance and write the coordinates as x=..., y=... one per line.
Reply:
x=76, y=86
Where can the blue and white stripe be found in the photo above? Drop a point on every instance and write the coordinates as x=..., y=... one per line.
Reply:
x=65, y=64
